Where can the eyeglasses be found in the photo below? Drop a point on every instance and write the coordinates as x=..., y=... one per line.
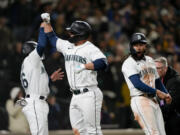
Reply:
x=160, y=68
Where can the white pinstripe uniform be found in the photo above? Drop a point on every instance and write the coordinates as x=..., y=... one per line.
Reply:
x=35, y=81
x=146, y=111
x=85, y=108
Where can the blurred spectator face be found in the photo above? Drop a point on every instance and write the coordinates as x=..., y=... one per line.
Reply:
x=60, y=19
x=3, y=21
x=161, y=69
x=18, y=47
x=120, y=50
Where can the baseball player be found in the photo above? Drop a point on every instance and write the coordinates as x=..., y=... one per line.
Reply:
x=35, y=82
x=144, y=84
x=82, y=61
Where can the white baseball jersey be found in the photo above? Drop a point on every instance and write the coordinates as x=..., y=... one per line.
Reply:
x=146, y=110
x=85, y=108
x=76, y=55
x=34, y=77
x=145, y=68
x=35, y=81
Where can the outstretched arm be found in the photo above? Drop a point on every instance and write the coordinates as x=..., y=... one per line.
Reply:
x=42, y=41
x=48, y=29
x=136, y=81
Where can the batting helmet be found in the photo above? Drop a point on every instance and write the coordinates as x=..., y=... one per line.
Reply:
x=80, y=30
x=137, y=38
x=28, y=47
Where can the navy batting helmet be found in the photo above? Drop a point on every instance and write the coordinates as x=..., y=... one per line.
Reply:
x=137, y=38
x=28, y=47
x=80, y=30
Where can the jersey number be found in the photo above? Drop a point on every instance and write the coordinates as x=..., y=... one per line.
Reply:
x=24, y=82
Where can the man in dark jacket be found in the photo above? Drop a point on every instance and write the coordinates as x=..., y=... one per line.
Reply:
x=171, y=80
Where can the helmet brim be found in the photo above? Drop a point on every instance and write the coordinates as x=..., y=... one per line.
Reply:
x=142, y=41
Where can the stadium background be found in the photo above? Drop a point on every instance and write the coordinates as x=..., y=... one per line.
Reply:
x=113, y=22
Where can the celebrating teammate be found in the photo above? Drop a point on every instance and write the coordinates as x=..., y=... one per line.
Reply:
x=35, y=82
x=144, y=84
x=82, y=61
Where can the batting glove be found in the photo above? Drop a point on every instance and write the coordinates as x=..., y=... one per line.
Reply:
x=22, y=102
x=80, y=68
x=45, y=17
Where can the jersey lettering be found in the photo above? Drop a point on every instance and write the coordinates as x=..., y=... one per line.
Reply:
x=76, y=58
x=147, y=71
x=42, y=70
x=24, y=81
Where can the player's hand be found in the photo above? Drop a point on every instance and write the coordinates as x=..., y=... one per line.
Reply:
x=79, y=68
x=21, y=102
x=42, y=24
x=45, y=17
x=161, y=94
x=168, y=99
x=57, y=75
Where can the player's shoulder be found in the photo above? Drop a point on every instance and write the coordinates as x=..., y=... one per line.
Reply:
x=129, y=61
x=64, y=42
x=91, y=46
x=149, y=58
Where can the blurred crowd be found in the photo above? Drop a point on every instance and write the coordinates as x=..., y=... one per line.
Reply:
x=113, y=22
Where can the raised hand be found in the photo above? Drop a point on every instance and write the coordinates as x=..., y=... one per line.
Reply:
x=57, y=75
x=45, y=17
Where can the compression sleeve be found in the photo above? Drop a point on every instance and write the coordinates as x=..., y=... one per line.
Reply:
x=160, y=85
x=100, y=64
x=135, y=79
x=52, y=38
x=42, y=41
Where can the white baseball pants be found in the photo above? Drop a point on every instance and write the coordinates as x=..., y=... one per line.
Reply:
x=36, y=112
x=148, y=114
x=85, y=112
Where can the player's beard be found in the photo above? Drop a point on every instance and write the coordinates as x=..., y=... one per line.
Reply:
x=139, y=55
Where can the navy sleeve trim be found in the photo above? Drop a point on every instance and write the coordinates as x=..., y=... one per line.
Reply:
x=42, y=41
x=52, y=38
x=135, y=79
x=160, y=85
x=100, y=64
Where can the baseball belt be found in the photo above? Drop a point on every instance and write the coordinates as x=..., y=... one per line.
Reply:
x=40, y=97
x=78, y=91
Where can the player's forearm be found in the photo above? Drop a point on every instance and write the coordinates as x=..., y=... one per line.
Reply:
x=52, y=38
x=50, y=34
x=89, y=66
x=99, y=64
x=42, y=41
x=160, y=86
x=48, y=28
x=135, y=79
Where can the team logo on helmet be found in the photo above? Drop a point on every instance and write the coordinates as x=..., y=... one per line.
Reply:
x=138, y=37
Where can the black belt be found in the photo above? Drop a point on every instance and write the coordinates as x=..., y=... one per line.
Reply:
x=40, y=97
x=78, y=91
x=148, y=95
